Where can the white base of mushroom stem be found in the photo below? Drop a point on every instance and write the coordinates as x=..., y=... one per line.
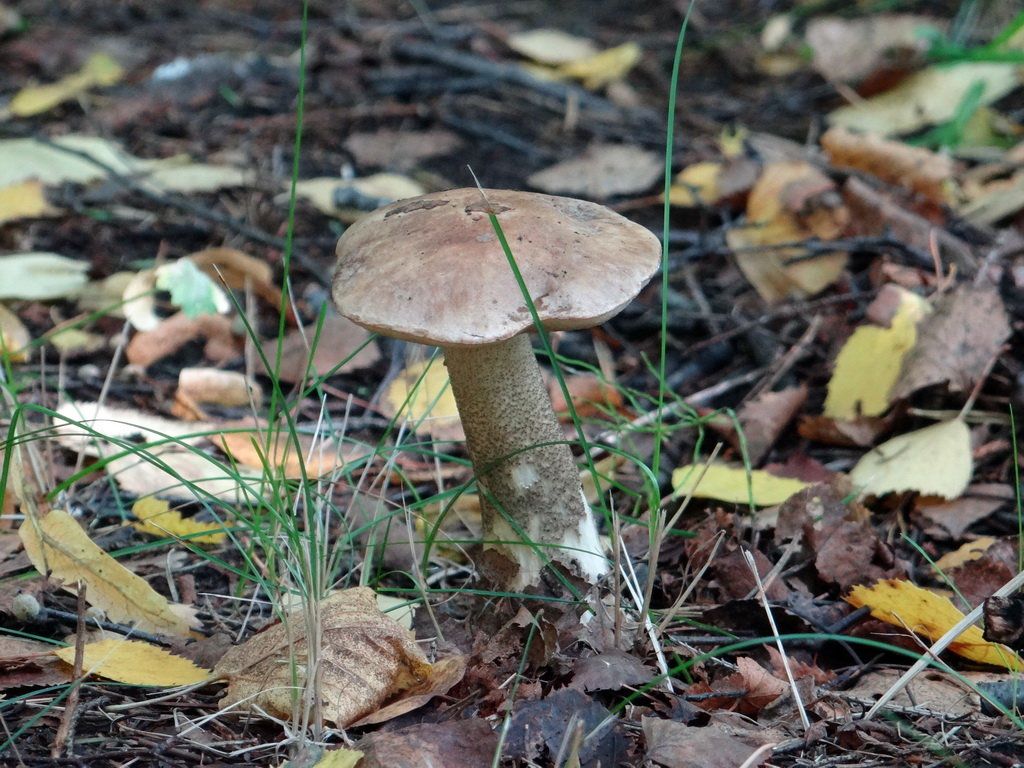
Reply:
x=522, y=462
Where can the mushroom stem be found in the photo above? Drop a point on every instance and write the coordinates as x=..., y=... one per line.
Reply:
x=522, y=461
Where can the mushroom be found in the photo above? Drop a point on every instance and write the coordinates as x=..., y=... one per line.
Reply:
x=431, y=269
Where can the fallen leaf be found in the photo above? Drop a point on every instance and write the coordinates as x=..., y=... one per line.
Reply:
x=135, y=663
x=57, y=545
x=188, y=177
x=25, y=159
x=99, y=70
x=972, y=550
x=422, y=395
x=935, y=461
x=14, y=337
x=602, y=68
x=26, y=200
x=158, y=519
x=905, y=605
x=763, y=417
x=956, y=516
x=611, y=670
x=551, y=46
x=848, y=50
x=869, y=363
x=927, y=173
x=171, y=334
x=219, y=387
x=734, y=484
x=366, y=660
x=928, y=97
x=238, y=271
x=336, y=346
x=792, y=201
x=399, y=149
x=40, y=276
x=717, y=745
x=602, y=171
x=299, y=455
x=466, y=741
x=374, y=191
x=957, y=341
x=339, y=757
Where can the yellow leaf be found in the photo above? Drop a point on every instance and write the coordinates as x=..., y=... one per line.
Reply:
x=340, y=758
x=383, y=187
x=605, y=67
x=904, y=605
x=696, y=185
x=734, y=484
x=14, y=337
x=100, y=70
x=158, y=519
x=135, y=663
x=972, y=550
x=56, y=544
x=24, y=201
x=422, y=395
x=935, y=461
x=870, y=361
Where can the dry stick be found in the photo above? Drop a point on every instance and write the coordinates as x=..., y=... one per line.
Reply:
x=941, y=644
x=778, y=640
x=70, y=715
x=789, y=359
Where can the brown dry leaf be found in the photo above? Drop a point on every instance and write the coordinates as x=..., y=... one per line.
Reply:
x=25, y=200
x=170, y=335
x=933, y=690
x=955, y=517
x=400, y=150
x=219, y=387
x=764, y=416
x=957, y=341
x=903, y=604
x=935, y=461
x=298, y=456
x=761, y=686
x=56, y=544
x=848, y=50
x=977, y=580
x=149, y=454
x=158, y=519
x=719, y=745
x=339, y=341
x=463, y=742
x=592, y=396
x=610, y=670
x=602, y=171
x=367, y=659
x=135, y=663
x=238, y=271
x=791, y=202
x=921, y=170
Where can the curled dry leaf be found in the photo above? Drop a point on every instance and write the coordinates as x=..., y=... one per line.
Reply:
x=238, y=271
x=366, y=659
x=921, y=170
x=219, y=387
x=57, y=545
x=792, y=201
x=170, y=335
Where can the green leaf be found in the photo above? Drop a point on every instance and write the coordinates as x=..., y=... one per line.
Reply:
x=191, y=289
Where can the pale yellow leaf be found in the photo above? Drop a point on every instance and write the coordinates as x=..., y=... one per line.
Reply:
x=340, y=758
x=25, y=159
x=870, y=361
x=422, y=395
x=603, y=68
x=56, y=544
x=551, y=46
x=135, y=663
x=935, y=461
x=99, y=70
x=905, y=605
x=196, y=177
x=928, y=97
x=24, y=200
x=734, y=484
x=40, y=276
x=381, y=187
x=158, y=519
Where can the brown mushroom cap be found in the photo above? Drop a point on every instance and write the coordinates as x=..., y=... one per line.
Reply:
x=430, y=269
